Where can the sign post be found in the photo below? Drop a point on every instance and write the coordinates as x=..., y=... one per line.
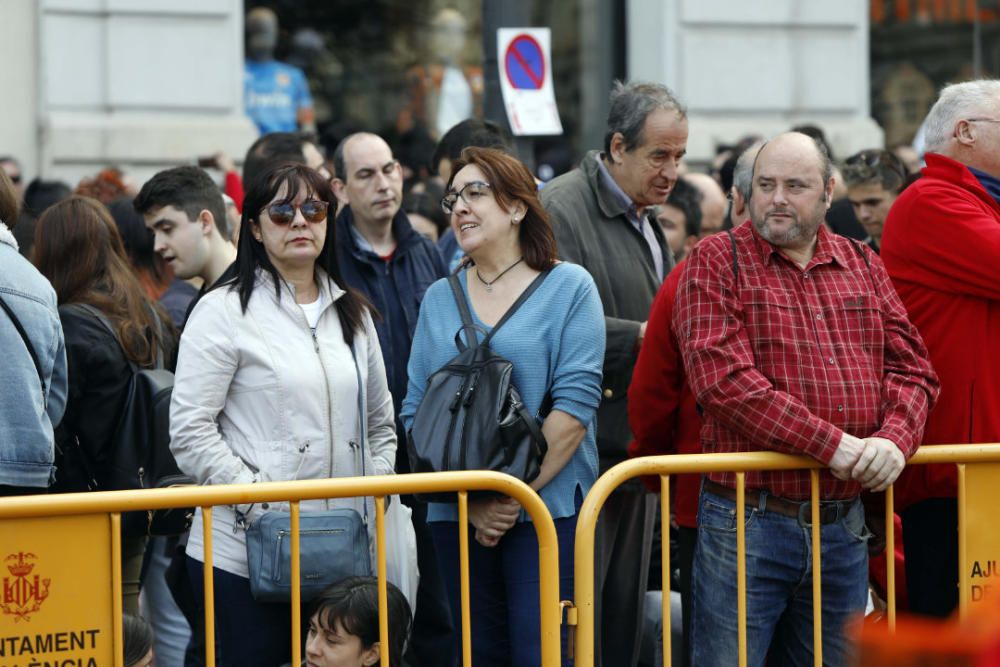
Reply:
x=526, y=81
x=56, y=597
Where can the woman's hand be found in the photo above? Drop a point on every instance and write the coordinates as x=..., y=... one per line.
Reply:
x=492, y=517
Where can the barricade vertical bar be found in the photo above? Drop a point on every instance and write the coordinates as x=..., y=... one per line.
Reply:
x=963, y=548
x=890, y=558
x=817, y=574
x=741, y=567
x=116, y=588
x=665, y=569
x=294, y=524
x=383, y=594
x=463, y=564
x=209, y=584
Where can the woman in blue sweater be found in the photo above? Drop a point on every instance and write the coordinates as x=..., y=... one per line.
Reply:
x=556, y=344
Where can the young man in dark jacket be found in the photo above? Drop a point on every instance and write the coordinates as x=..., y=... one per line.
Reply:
x=383, y=257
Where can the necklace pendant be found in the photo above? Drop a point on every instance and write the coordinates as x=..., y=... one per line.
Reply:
x=489, y=287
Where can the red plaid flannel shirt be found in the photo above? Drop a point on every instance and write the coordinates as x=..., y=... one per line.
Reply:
x=789, y=358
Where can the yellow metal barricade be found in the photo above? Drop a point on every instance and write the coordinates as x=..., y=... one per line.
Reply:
x=113, y=503
x=664, y=466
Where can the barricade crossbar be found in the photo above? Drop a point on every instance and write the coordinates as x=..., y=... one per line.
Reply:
x=114, y=503
x=741, y=463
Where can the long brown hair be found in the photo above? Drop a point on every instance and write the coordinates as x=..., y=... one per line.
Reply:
x=511, y=182
x=78, y=248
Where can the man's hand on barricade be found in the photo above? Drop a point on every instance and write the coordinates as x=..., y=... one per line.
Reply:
x=492, y=517
x=879, y=465
x=846, y=457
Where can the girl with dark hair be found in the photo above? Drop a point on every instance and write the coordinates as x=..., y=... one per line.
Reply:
x=78, y=248
x=137, y=636
x=344, y=625
x=267, y=388
x=138, y=240
x=555, y=341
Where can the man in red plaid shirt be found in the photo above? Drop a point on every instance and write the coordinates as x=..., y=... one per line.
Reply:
x=794, y=340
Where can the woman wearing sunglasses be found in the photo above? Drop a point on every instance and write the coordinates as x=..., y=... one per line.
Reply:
x=555, y=341
x=267, y=389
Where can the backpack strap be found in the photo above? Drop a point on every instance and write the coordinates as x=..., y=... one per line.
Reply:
x=868, y=262
x=468, y=326
x=27, y=343
x=736, y=265
x=525, y=295
x=103, y=319
x=96, y=312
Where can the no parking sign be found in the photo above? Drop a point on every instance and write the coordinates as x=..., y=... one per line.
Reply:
x=526, y=80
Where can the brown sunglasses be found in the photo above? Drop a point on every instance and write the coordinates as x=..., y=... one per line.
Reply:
x=313, y=210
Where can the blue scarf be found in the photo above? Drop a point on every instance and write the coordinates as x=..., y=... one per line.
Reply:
x=991, y=184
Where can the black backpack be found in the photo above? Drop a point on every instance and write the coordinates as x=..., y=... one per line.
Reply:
x=140, y=448
x=471, y=416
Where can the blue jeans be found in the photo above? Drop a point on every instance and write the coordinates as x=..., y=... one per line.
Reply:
x=171, y=632
x=779, y=585
x=503, y=588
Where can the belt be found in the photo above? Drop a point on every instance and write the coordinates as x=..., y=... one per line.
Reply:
x=829, y=510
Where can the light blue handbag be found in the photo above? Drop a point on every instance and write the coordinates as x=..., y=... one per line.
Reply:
x=333, y=544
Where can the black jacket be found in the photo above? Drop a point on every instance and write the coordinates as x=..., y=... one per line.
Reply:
x=99, y=376
x=395, y=287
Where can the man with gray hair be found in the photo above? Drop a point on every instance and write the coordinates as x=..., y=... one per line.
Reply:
x=793, y=340
x=941, y=245
x=598, y=215
x=739, y=194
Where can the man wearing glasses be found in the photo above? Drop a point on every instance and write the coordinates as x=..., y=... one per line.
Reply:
x=941, y=246
x=874, y=179
x=598, y=215
x=382, y=256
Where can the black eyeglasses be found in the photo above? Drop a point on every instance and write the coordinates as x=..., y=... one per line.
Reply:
x=313, y=210
x=470, y=194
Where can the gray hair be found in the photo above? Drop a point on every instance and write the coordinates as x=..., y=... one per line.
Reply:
x=958, y=101
x=631, y=103
x=743, y=171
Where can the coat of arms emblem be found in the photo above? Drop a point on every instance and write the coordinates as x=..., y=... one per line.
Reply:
x=23, y=592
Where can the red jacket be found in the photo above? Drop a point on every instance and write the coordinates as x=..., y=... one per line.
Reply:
x=941, y=246
x=661, y=408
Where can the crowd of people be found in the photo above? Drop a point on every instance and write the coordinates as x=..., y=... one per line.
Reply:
x=787, y=302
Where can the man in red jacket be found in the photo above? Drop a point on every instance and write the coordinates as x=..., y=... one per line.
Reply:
x=661, y=408
x=941, y=246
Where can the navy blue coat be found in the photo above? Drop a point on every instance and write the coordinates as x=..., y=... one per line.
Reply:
x=395, y=287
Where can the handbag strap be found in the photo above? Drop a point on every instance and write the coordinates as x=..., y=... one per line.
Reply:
x=27, y=343
x=463, y=308
x=362, y=429
x=362, y=425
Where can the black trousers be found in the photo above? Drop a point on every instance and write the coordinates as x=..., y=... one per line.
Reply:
x=432, y=638
x=624, y=539
x=687, y=539
x=930, y=546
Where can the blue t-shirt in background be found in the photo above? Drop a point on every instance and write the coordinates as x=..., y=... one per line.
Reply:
x=273, y=93
x=555, y=341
